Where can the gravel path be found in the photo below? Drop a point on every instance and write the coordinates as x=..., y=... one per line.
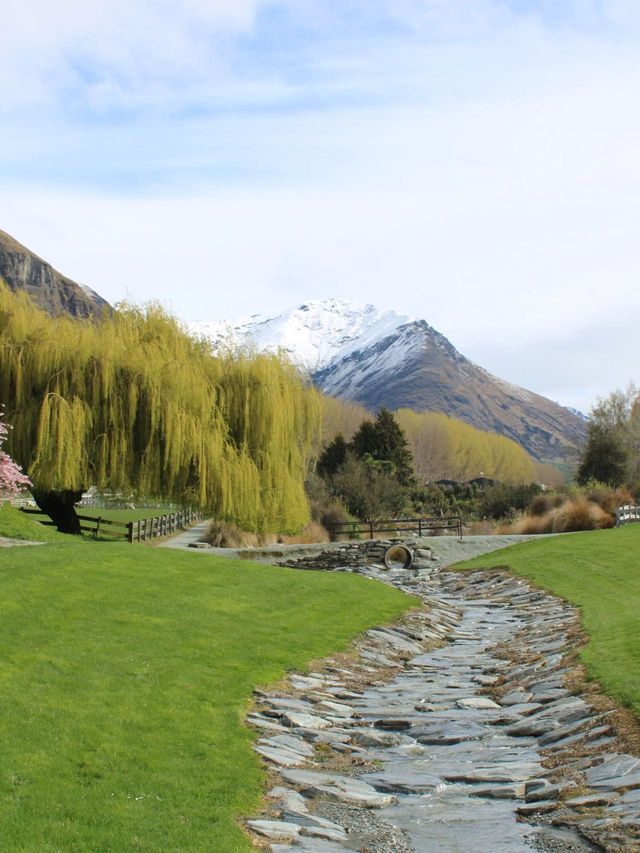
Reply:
x=446, y=549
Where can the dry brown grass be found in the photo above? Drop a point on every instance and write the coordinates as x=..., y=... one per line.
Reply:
x=540, y=505
x=222, y=534
x=486, y=527
x=313, y=532
x=565, y=514
x=609, y=499
x=579, y=514
x=532, y=524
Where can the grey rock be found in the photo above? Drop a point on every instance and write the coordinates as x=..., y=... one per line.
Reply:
x=479, y=702
x=540, y=807
x=594, y=800
x=274, y=828
x=548, y=792
x=297, y=719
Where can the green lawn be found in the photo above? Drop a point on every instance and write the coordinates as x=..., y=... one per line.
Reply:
x=20, y=525
x=125, y=674
x=600, y=572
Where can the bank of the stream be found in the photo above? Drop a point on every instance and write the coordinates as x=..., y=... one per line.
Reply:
x=599, y=572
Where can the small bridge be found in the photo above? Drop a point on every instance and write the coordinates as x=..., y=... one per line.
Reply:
x=397, y=526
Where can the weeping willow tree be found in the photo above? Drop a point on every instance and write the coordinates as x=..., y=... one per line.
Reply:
x=132, y=403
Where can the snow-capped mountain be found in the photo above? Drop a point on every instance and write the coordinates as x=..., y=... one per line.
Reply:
x=314, y=334
x=387, y=359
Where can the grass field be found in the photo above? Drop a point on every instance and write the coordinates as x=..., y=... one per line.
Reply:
x=600, y=572
x=125, y=674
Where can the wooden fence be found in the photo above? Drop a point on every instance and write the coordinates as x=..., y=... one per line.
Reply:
x=398, y=526
x=134, y=531
x=626, y=514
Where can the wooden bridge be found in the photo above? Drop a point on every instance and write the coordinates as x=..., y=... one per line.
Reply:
x=397, y=526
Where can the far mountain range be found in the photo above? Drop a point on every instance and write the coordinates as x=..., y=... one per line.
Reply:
x=356, y=352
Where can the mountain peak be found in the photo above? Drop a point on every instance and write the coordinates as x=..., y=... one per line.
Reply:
x=314, y=333
x=382, y=358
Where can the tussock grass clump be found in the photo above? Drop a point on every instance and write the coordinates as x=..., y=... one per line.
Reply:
x=224, y=534
x=313, y=532
x=563, y=513
x=609, y=499
x=579, y=514
x=531, y=524
x=540, y=505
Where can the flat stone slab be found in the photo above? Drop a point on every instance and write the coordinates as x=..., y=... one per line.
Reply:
x=274, y=828
x=342, y=787
x=593, y=800
x=446, y=735
x=301, y=720
x=615, y=767
x=479, y=702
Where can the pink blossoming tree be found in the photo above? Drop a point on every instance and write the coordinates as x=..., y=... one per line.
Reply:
x=12, y=480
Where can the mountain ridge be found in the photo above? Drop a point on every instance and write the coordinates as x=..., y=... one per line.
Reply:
x=23, y=270
x=388, y=359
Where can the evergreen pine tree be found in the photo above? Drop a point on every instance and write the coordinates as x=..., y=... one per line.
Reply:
x=605, y=458
x=332, y=457
x=383, y=441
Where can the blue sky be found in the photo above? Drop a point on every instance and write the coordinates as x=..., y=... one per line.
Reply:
x=473, y=162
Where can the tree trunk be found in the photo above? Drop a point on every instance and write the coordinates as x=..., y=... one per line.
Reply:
x=59, y=506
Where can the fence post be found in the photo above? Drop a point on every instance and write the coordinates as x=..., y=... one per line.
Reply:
x=370, y=528
x=130, y=532
x=420, y=528
x=97, y=530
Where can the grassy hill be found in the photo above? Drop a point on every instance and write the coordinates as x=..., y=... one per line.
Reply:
x=125, y=675
x=599, y=571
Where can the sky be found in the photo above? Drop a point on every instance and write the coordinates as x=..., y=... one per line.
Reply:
x=475, y=163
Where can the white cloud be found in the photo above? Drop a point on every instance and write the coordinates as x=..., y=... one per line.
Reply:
x=481, y=169
x=114, y=53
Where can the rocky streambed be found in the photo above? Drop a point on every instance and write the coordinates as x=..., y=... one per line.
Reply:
x=456, y=730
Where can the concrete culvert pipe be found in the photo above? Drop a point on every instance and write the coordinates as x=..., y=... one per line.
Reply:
x=398, y=557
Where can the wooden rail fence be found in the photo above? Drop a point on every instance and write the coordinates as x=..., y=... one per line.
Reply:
x=421, y=526
x=626, y=514
x=134, y=531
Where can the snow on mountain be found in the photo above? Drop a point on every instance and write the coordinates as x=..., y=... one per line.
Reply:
x=314, y=334
x=381, y=358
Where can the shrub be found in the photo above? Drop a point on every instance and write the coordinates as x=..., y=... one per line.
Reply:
x=329, y=513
